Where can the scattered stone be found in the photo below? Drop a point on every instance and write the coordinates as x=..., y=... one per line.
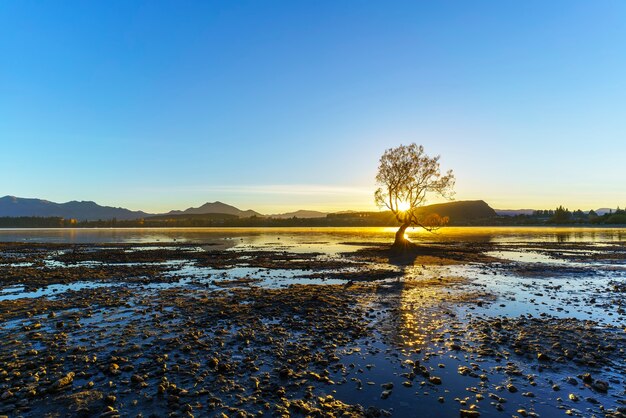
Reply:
x=600, y=386
x=435, y=380
x=469, y=413
x=63, y=382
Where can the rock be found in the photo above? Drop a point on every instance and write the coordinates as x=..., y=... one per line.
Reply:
x=435, y=380
x=464, y=370
x=285, y=372
x=469, y=413
x=511, y=388
x=63, y=382
x=110, y=412
x=114, y=368
x=385, y=394
x=600, y=386
x=573, y=397
x=543, y=357
x=86, y=402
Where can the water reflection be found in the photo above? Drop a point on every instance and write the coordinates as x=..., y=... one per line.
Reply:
x=316, y=238
x=414, y=303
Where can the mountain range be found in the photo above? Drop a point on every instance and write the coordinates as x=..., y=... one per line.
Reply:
x=12, y=206
x=85, y=210
x=216, y=207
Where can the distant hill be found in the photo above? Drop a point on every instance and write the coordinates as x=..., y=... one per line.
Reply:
x=86, y=210
x=514, y=212
x=192, y=216
x=302, y=214
x=219, y=212
x=462, y=211
x=216, y=207
x=602, y=211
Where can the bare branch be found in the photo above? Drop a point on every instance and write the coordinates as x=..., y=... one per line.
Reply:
x=407, y=176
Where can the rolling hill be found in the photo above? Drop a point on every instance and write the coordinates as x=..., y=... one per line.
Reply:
x=302, y=214
x=12, y=206
x=216, y=207
x=460, y=212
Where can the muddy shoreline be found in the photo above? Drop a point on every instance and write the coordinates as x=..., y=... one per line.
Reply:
x=180, y=329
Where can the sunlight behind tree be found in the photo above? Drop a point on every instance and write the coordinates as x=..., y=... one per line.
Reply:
x=406, y=176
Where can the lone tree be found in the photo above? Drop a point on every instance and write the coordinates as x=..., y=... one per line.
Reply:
x=406, y=175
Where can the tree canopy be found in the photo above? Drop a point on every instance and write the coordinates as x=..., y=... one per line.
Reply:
x=406, y=177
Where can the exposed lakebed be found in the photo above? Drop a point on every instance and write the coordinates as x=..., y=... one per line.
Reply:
x=314, y=324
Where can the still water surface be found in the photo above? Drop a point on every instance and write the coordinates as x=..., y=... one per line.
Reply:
x=312, y=237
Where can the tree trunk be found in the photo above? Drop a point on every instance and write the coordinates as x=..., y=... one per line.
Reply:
x=401, y=243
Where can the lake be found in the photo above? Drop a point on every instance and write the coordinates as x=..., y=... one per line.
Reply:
x=310, y=236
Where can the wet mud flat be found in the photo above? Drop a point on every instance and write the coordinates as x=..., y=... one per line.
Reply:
x=455, y=329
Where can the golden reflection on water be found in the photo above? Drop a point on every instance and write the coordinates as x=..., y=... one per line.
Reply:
x=415, y=321
x=295, y=236
x=418, y=309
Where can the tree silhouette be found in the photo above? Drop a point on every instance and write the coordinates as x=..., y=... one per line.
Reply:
x=406, y=176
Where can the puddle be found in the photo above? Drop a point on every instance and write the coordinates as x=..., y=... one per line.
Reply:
x=52, y=290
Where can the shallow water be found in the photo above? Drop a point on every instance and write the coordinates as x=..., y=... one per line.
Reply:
x=553, y=273
x=311, y=239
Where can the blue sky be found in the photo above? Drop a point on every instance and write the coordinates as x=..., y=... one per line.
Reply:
x=284, y=105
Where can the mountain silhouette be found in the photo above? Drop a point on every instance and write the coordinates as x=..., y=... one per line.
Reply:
x=84, y=210
x=216, y=207
x=11, y=206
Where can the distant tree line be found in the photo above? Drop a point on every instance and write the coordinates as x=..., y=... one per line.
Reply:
x=196, y=222
x=36, y=222
x=458, y=217
x=210, y=220
x=563, y=216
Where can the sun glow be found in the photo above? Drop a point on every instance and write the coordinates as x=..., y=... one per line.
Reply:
x=404, y=206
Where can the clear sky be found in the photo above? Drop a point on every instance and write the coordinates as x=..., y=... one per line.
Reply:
x=277, y=106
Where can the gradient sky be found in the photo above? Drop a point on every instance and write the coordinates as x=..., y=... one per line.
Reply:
x=278, y=106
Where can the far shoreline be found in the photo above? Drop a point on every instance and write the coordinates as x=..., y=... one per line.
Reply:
x=394, y=227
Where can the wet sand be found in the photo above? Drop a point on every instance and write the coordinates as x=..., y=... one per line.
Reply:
x=197, y=329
